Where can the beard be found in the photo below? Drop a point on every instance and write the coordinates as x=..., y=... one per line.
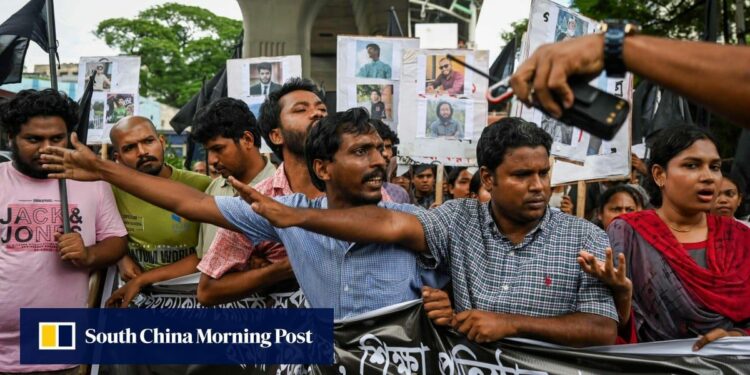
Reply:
x=23, y=167
x=154, y=169
x=294, y=141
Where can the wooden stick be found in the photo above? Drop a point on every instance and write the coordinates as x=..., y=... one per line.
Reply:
x=439, y=184
x=581, y=203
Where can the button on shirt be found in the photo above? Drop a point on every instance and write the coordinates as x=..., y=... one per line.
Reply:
x=538, y=277
x=349, y=277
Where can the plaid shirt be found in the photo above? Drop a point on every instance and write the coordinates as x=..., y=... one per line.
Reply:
x=537, y=277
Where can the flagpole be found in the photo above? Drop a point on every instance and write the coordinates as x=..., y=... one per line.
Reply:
x=52, y=40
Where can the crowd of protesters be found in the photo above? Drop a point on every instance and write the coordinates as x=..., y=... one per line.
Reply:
x=501, y=256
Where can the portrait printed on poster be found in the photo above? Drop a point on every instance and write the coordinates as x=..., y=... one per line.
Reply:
x=559, y=132
x=569, y=26
x=102, y=71
x=443, y=76
x=265, y=78
x=374, y=59
x=98, y=108
x=119, y=106
x=444, y=119
x=378, y=99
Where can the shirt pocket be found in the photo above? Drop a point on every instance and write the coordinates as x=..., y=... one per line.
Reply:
x=545, y=292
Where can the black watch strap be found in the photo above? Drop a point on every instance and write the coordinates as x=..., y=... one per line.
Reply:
x=614, y=38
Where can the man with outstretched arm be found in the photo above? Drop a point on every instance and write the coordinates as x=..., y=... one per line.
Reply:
x=512, y=260
x=344, y=157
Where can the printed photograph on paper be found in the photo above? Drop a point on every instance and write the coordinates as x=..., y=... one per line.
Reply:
x=374, y=59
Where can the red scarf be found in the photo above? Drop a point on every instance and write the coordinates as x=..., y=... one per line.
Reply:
x=724, y=285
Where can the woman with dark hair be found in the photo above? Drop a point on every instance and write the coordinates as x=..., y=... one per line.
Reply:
x=615, y=201
x=729, y=198
x=459, y=181
x=690, y=270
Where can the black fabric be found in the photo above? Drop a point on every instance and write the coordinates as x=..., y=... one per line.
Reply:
x=82, y=129
x=650, y=117
x=406, y=342
x=741, y=170
x=394, y=26
x=29, y=23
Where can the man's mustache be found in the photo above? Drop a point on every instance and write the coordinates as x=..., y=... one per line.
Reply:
x=378, y=172
x=145, y=159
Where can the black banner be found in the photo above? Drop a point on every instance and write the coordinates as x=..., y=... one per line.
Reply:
x=404, y=341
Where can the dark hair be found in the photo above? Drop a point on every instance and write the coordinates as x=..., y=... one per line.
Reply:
x=419, y=168
x=376, y=91
x=385, y=131
x=226, y=117
x=623, y=188
x=453, y=176
x=265, y=66
x=505, y=134
x=31, y=103
x=666, y=145
x=324, y=138
x=440, y=104
x=373, y=46
x=270, y=111
x=736, y=181
x=475, y=183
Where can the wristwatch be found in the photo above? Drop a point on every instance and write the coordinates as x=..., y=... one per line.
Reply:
x=614, y=32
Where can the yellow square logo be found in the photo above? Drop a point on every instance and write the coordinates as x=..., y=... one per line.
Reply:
x=57, y=336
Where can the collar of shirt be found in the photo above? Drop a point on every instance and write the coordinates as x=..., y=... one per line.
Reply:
x=489, y=222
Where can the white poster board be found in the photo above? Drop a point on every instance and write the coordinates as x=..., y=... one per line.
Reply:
x=368, y=74
x=115, y=92
x=592, y=157
x=252, y=79
x=442, y=106
x=437, y=35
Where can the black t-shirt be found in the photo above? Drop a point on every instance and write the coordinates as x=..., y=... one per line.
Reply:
x=377, y=111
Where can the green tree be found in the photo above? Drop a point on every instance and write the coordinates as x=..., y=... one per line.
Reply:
x=179, y=46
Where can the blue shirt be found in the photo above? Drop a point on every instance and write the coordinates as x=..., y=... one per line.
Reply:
x=351, y=278
x=375, y=69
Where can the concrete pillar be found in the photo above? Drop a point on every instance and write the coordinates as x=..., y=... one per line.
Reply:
x=279, y=27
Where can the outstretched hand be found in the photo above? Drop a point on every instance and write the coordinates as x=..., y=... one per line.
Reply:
x=543, y=77
x=80, y=163
x=615, y=278
x=277, y=214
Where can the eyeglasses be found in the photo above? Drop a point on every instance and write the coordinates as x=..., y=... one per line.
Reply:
x=446, y=66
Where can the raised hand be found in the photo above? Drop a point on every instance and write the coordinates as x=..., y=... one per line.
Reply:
x=543, y=77
x=79, y=163
x=615, y=278
x=277, y=214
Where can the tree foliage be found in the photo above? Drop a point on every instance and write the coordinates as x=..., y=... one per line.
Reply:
x=179, y=46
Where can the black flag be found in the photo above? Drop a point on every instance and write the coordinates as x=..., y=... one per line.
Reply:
x=29, y=23
x=82, y=129
x=394, y=26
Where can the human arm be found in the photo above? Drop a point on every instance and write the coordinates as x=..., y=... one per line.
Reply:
x=716, y=334
x=575, y=329
x=101, y=254
x=128, y=268
x=566, y=205
x=370, y=224
x=235, y=285
x=458, y=84
x=82, y=164
x=614, y=278
x=122, y=297
x=713, y=75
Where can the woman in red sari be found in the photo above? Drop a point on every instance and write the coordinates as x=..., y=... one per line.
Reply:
x=690, y=270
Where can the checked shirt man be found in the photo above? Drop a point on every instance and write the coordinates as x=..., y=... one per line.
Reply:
x=513, y=261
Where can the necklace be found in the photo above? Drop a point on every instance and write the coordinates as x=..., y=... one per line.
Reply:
x=680, y=230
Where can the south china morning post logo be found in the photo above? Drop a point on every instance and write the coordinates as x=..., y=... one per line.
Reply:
x=57, y=336
x=176, y=336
